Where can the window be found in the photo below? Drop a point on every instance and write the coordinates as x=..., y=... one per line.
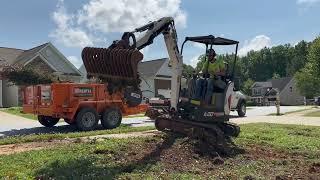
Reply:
x=256, y=91
x=290, y=89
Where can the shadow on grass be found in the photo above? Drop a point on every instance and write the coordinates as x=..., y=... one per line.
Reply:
x=47, y=130
x=88, y=168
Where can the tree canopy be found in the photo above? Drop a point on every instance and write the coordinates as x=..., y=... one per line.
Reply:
x=308, y=78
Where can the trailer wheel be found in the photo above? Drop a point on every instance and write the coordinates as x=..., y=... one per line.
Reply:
x=111, y=118
x=48, y=121
x=87, y=119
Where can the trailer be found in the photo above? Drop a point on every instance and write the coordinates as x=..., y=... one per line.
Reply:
x=81, y=104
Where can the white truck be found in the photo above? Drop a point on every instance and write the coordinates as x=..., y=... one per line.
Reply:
x=238, y=103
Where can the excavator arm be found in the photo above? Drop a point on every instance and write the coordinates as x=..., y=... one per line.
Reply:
x=118, y=63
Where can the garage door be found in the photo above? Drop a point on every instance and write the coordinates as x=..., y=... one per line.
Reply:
x=161, y=84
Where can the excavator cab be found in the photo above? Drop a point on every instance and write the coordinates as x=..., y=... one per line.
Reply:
x=209, y=96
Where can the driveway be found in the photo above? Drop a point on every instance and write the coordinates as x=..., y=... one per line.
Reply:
x=15, y=125
x=266, y=110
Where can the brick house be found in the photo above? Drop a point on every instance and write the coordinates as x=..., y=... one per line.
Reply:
x=45, y=58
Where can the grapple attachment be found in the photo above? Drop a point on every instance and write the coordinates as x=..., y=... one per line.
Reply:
x=112, y=64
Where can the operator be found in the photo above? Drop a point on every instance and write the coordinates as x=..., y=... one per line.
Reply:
x=213, y=69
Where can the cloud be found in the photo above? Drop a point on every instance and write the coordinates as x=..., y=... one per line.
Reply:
x=66, y=33
x=198, y=45
x=257, y=43
x=194, y=60
x=75, y=61
x=100, y=17
x=307, y=1
x=124, y=15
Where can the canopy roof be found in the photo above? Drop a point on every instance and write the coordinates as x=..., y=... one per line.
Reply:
x=211, y=40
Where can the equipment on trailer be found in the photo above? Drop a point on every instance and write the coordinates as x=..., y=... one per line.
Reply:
x=188, y=115
x=80, y=104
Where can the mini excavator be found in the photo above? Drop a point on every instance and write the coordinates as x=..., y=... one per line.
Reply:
x=117, y=67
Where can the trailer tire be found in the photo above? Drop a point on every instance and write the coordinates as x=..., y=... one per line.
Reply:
x=111, y=118
x=87, y=119
x=48, y=121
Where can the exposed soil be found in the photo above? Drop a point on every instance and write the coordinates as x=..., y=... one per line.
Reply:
x=176, y=154
x=184, y=155
x=22, y=147
x=17, y=148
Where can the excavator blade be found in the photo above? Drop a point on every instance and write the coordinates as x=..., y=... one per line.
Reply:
x=112, y=64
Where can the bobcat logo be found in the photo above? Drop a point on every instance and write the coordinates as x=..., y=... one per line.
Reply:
x=135, y=95
x=208, y=114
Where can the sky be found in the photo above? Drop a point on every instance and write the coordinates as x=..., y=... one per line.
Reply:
x=72, y=25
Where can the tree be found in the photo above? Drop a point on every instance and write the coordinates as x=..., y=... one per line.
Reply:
x=308, y=78
x=247, y=86
x=23, y=76
x=299, y=58
x=187, y=71
x=275, y=76
x=200, y=62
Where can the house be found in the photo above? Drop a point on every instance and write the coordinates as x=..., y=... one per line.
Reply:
x=43, y=58
x=155, y=77
x=264, y=93
x=259, y=90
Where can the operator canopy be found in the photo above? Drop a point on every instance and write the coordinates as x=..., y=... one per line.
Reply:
x=211, y=40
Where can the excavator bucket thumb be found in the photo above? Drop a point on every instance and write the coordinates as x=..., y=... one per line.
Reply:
x=112, y=64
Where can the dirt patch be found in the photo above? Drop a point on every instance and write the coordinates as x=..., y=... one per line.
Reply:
x=22, y=147
x=315, y=168
x=182, y=155
x=17, y=148
x=174, y=153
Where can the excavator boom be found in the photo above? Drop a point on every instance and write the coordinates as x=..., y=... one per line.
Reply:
x=118, y=64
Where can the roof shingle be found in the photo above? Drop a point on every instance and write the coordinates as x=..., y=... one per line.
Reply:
x=28, y=54
x=150, y=68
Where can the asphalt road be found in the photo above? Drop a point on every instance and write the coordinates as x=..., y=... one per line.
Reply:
x=15, y=125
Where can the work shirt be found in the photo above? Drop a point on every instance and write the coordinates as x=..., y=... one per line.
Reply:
x=214, y=68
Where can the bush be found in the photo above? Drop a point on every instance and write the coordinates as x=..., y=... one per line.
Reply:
x=20, y=75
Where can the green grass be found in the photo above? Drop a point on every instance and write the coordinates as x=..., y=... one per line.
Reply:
x=313, y=114
x=45, y=137
x=283, y=137
x=108, y=159
x=18, y=112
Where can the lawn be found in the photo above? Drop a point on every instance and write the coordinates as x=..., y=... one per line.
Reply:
x=56, y=135
x=18, y=112
x=263, y=151
x=313, y=114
